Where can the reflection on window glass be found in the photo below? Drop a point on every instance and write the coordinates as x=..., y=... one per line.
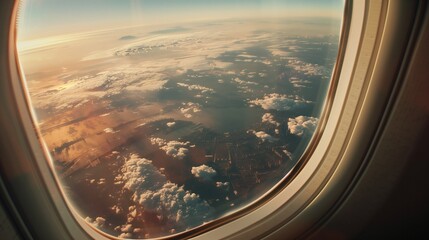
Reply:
x=160, y=116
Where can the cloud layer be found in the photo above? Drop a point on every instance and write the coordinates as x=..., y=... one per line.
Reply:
x=78, y=91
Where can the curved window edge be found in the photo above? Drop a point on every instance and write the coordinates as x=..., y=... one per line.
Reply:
x=29, y=186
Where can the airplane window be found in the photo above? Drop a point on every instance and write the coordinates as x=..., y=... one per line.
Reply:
x=160, y=117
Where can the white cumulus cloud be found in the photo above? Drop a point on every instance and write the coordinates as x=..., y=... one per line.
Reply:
x=302, y=125
x=172, y=148
x=279, y=102
x=307, y=68
x=265, y=136
x=171, y=124
x=98, y=222
x=189, y=108
x=269, y=118
x=153, y=193
x=125, y=235
x=203, y=172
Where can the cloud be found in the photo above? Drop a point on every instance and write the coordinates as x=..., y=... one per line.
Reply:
x=196, y=87
x=265, y=136
x=189, y=108
x=245, y=55
x=172, y=148
x=146, y=46
x=203, y=172
x=171, y=124
x=222, y=184
x=244, y=86
x=278, y=52
x=101, y=181
x=125, y=75
x=98, y=222
x=220, y=64
x=127, y=228
x=80, y=90
x=149, y=75
x=116, y=209
x=298, y=83
x=241, y=82
x=157, y=141
x=307, y=68
x=289, y=154
x=279, y=102
x=302, y=125
x=269, y=118
x=109, y=130
x=152, y=193
x=125, y=235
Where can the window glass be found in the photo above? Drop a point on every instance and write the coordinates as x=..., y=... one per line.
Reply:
x=160, y=116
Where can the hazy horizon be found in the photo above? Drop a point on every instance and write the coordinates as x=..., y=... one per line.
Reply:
x=47, y=18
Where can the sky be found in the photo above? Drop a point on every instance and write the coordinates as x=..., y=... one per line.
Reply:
x=43, y=18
